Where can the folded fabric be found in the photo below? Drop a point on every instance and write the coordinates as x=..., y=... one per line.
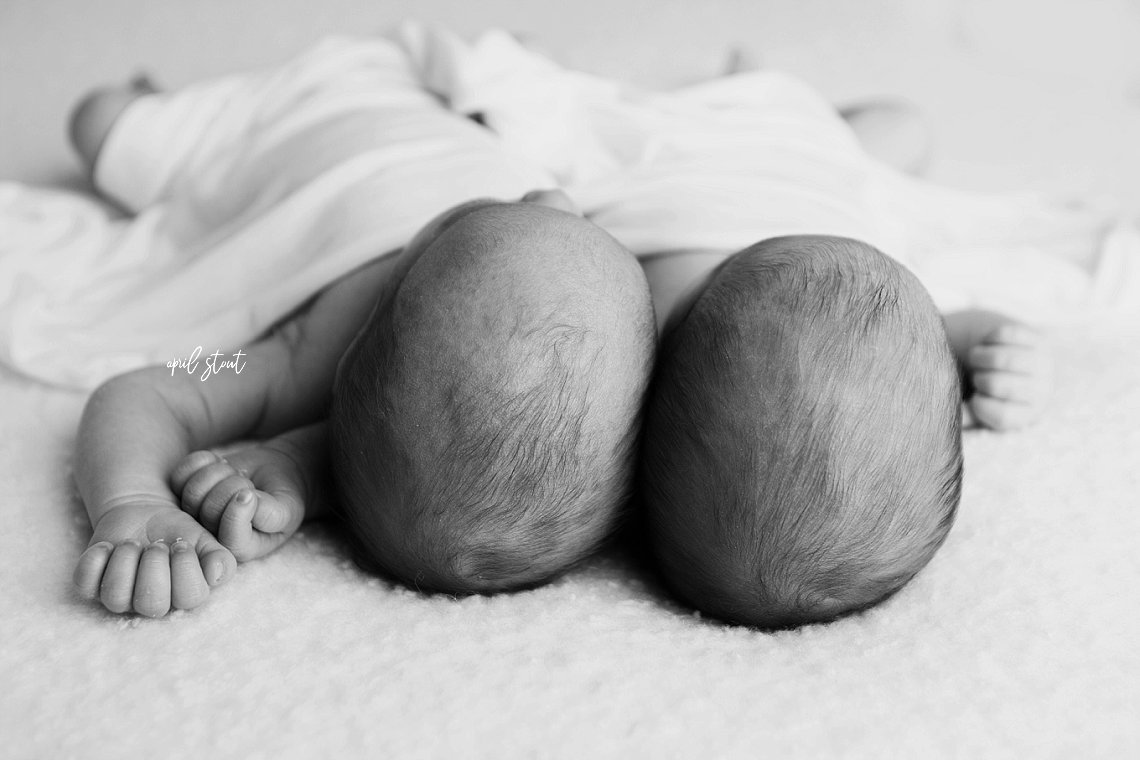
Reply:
x=247, y=195
x=735, y=160
x=252, y=192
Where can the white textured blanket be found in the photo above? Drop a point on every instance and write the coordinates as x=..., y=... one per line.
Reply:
x=1019, y=640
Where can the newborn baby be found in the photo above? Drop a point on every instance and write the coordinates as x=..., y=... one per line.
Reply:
x=482, y=390
x=802, y=454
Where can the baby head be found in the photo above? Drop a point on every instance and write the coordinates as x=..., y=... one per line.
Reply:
x=485, y=421
x=802, y=448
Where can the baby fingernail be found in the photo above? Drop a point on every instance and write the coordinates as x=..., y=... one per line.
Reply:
x=245, y=497
x=180, y=546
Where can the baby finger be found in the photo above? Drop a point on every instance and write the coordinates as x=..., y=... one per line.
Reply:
x=1001, y=415
x=89, y=569
x=201, y=483
x=1006, y=386
x=188, y=586
x=189, y=465
x=118, y=585
x=1018, y=359
x=235, y=530
x=1016, y=334
x=214, y=505
x=152, y=585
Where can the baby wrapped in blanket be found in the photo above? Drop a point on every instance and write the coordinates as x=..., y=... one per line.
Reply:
x=694, y=175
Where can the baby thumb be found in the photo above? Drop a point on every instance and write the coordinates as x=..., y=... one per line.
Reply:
x=270, y=516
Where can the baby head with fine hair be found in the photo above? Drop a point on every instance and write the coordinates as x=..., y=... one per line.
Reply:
x=485, y=421
x=802, y=452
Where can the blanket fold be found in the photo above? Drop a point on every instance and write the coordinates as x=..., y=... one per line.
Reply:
x=252, y=192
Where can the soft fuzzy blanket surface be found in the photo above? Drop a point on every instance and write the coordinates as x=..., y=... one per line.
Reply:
x=1019, y=640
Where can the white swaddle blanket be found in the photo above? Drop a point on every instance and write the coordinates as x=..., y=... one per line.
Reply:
x=254, y=191
x=249, y=194
x=735, y=160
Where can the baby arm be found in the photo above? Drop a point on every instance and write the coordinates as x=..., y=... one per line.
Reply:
x=137, y=428
x=1007, y=368
x=256, y=496
x=146, y=554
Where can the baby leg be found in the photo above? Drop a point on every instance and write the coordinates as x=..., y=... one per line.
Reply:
x=139, y=144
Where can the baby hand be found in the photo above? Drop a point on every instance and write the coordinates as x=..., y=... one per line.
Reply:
x=1011, y=371
x=148, y=556
x=252, y=499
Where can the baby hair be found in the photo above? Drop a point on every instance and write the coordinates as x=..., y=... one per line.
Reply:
x=484, y=425
x=802, y=455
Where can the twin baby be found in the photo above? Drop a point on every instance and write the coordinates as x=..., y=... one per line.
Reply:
x=479, y=408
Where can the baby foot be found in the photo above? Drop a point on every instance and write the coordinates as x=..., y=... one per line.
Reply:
x=252, y=499
x=93, y=117
x=741, y=61
x=894, y=131
x=149, y=557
